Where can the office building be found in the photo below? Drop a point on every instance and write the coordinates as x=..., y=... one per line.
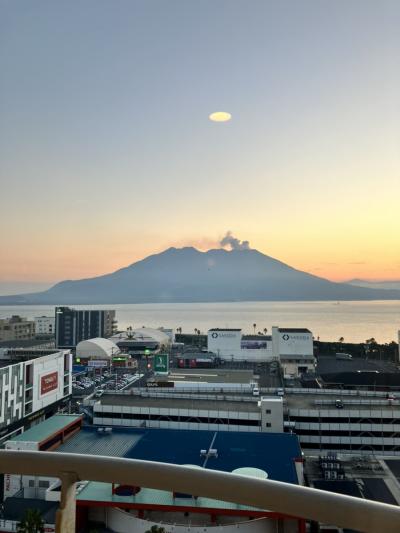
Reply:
x=76, y=325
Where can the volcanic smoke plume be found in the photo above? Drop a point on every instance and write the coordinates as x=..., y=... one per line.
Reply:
x=233, y=242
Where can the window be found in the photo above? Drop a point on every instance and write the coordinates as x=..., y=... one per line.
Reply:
x=267, y=411
x=43, y=484
x=31, y=483
x=268, y=424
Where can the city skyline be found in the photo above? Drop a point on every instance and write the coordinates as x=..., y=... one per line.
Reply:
x=108, y=153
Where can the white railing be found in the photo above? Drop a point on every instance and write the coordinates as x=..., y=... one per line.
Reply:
x=292, y=500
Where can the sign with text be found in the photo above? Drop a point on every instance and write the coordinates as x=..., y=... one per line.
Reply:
x=158, y=384
x=48, y=383
x=96, y=363
x=161, y=363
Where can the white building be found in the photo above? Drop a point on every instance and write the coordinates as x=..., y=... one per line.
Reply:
x=97, y=349
x=45, y=436
x=346, y=421
x=44, y=325
x=31, y=390
x=231, y=345
x=364, y=423
x=201, y=412
x=294, y=348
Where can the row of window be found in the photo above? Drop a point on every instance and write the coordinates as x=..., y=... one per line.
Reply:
x=191, y=419
x=333, y=433
x=343, y=420
x=350, y=446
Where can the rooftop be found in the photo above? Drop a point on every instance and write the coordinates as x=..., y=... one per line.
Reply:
x=225, y=329
x=294, y=330
x=179, y=403
x=214, y=375
x=256, y=338
x=372, y=478
x=43, y=430
x=359, y=406
x=274, y=453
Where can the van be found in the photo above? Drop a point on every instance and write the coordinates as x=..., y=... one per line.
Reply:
x=256, y=391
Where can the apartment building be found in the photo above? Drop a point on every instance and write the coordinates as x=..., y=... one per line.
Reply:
x=16, y=328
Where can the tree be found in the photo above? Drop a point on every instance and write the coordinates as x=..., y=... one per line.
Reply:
x=31, y=523
x=341, y=339
x=254, y=326
x=265, y=331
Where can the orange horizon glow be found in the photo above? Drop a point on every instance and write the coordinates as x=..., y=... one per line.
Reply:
x=76, y=263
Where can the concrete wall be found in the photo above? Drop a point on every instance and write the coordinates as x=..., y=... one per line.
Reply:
x=291, y=343
x=225, y=344
x=271, y=414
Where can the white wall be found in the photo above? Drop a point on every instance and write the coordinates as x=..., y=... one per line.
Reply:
x=261, y=354
x=225, y=344
x=271, y=414
x=44, y=325
x=291, y=342
x=295, y=343
x=44, y=369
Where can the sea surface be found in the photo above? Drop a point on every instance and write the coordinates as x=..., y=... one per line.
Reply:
x=355, y=321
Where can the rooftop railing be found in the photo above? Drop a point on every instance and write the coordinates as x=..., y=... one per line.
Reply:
x=290, y=500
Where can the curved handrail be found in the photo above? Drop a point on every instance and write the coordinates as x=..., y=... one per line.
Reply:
x=292, y=500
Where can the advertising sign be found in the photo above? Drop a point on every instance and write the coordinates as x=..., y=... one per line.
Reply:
x=48, y=383
x=97, y=364
x=253, y=345
x=161, y=363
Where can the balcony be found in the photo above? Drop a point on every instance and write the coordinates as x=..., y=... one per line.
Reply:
x=291, y=500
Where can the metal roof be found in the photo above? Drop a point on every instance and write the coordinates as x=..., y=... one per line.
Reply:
x=252, y=453
x=294, y=330
x=47, y=428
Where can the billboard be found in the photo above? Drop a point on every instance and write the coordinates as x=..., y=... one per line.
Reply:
x=161, y=363
x=253, y=345
x=97, y=363
x=48, y=383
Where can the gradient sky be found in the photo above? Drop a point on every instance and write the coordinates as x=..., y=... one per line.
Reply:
x=107, y=153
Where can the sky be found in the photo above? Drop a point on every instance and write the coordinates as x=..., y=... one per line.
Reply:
x=107, y=154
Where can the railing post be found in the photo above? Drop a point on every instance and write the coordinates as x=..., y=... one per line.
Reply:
x=65, y=516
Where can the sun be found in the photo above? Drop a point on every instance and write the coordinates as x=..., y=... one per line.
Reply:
x=220, y=116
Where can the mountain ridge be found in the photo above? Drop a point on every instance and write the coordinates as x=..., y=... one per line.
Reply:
x=178, y=275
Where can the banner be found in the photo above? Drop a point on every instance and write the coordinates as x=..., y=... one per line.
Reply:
x=48, y=383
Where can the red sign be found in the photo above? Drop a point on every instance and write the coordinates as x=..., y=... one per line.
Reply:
x=48, y=383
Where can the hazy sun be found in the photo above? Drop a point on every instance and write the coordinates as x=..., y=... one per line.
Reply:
x=220, y=116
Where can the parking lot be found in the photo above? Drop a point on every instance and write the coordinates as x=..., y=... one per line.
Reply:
x=84, y=384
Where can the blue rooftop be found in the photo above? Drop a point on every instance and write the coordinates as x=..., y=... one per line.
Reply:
x=272, y=452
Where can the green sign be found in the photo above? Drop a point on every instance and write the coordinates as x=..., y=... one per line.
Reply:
x=161, y=363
